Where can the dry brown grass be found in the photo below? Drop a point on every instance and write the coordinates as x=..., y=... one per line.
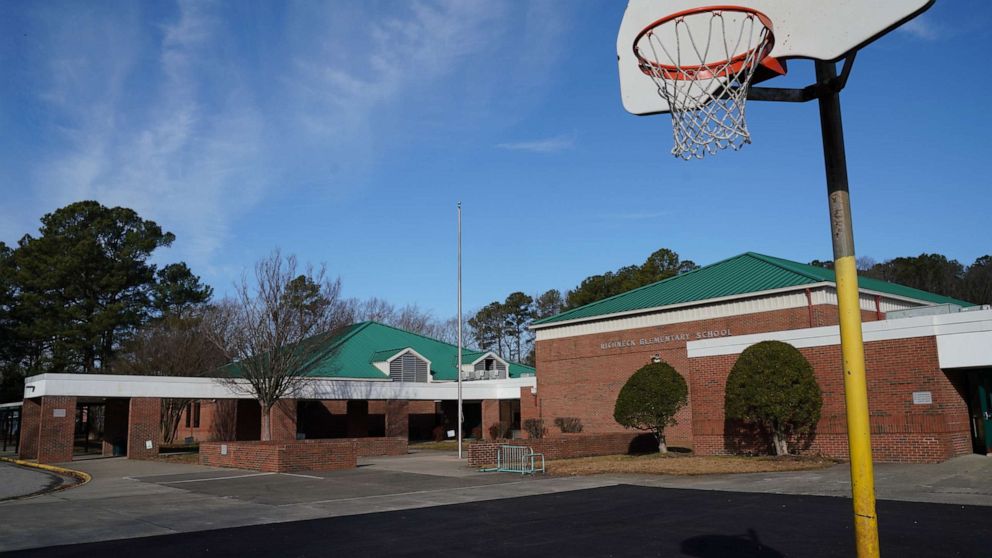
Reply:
x=681, y=464
x=188, y=458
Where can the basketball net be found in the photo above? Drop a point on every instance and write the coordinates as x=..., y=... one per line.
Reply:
x=702, y=63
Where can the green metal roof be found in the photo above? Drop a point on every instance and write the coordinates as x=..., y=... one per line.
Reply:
x=351, y=353
x=740, y=275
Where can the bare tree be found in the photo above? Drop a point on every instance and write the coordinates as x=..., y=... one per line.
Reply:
x=271, y=327
x=170, y=346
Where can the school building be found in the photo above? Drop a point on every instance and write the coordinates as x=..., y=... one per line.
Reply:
x=929, y=357
x=372, y=388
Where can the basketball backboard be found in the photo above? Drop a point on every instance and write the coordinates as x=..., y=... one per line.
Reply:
x=814, y=29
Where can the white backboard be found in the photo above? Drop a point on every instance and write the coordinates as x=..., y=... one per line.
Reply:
x=816, y=29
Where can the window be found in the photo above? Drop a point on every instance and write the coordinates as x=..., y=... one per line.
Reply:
x=193, y=415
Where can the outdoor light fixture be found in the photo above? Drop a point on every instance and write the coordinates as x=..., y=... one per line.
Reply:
x=656, y=358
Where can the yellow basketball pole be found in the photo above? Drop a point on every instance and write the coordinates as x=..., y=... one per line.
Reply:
x=849, y=310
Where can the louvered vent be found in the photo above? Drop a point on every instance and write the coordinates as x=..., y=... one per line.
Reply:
x=408, y=368
x=490, y=369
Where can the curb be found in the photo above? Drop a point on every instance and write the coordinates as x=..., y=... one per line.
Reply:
x=80, y=476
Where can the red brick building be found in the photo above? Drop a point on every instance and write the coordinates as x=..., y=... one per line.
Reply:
x=372, y=388
x=929, y=357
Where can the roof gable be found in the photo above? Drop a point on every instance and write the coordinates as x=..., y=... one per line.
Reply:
x=352, y=354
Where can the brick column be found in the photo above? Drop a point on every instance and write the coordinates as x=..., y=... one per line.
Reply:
x=398, y=419
x=144, y=425
x=30, y=428
x=530, y=406
x=57, y=429
x=490, y=416
x=358, y=418
x=282, y=420
x=115, y=425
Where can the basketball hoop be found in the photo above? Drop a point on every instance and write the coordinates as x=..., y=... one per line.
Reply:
x=702, y=61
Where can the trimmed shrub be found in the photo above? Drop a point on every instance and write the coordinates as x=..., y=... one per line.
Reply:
x=772, y=387
x=650, y=399
x=500, y=431
x=569, y=424
x=535, y=428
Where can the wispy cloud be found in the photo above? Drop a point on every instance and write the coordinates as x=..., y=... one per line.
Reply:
x=179, y=158
x=636, y=216
x=546, y=145
x=922, y=28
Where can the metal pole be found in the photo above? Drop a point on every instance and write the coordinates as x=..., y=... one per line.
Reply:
x=849, y=310
x=459, y=330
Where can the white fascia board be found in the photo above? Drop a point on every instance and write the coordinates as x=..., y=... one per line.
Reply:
x=974, y=326
x=109, y=385
x=653, y=309
x=716, y=300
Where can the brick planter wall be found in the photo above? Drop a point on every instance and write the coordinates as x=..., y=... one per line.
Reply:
x=565, y=447
x=370, y=447
x=281, y=456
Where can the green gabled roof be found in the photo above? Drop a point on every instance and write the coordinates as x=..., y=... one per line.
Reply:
x=351, y=354
x=744, y=274
x=382, y=356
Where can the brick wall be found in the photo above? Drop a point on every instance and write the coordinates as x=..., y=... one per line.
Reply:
x=397, y=418
x=144, y=425
x=901, y=431
x=369, y=447
x=282, y=420
x=56, y=433
x=281, y=456
x=490, y=416
x=567, y=446
x=578, y=378
x=30, y=428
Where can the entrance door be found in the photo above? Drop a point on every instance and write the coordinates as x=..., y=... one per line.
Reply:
x=980, y=408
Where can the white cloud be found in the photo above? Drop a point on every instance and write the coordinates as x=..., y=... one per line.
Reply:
x=174, y=155
x=546, y=145
x=922, y=28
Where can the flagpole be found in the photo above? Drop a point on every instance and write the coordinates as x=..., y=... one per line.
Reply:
x=459, y=330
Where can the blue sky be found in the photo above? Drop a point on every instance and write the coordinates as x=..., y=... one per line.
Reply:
x=345, y=132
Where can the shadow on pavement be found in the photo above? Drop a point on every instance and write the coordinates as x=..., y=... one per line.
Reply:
x=718, y=546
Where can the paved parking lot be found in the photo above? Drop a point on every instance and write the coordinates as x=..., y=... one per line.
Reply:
x=20, y=481
x=433, y=492
x=619, y=521
x=129, y=498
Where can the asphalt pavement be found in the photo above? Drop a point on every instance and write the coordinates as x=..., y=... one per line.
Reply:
x=618, y=521
x=16, y=482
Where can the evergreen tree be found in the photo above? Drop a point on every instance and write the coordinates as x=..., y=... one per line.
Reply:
x=650, y=400
x=772, y=386
x=83, y=285
x=177, y=290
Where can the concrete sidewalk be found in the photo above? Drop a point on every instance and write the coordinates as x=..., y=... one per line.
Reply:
x=965, y=480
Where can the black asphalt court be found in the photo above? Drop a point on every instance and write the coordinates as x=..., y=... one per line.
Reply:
x=617, y=521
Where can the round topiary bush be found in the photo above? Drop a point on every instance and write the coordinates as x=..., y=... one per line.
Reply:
x=650, y=399
x=772, y=386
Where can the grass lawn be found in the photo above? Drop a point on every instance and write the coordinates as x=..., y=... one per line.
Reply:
x=682, y=464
